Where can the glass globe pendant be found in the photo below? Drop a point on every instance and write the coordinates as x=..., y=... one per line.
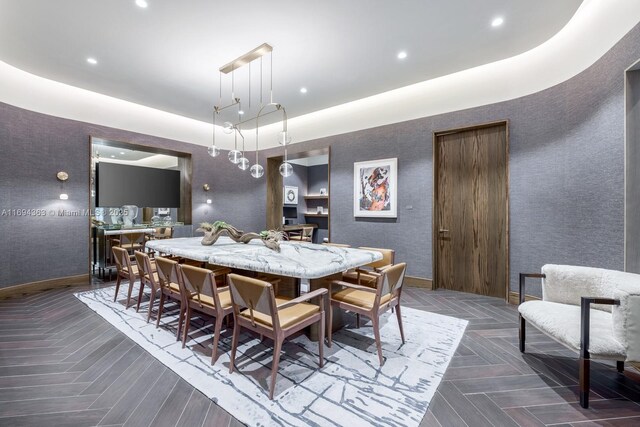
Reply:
x=213, y=151
x=234, y=156
x=257, y=171
x=286, y=169
x=243, y=163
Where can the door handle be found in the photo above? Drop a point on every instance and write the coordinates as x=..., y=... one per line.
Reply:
x=442, y=230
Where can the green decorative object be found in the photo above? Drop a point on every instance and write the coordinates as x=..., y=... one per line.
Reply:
x=270, y=238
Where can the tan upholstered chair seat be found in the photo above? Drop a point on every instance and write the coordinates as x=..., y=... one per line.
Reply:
x=224, y=296
x=130, y=246
x=288, y=316
x=359, y=298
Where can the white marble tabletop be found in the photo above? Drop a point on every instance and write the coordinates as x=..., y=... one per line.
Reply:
x=295, y=259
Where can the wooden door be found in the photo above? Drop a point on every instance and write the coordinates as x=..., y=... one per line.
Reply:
x=471, y=211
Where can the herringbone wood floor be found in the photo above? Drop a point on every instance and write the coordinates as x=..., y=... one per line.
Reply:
x=63, y=365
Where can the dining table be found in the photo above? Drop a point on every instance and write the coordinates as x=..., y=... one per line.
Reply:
x=309, y=265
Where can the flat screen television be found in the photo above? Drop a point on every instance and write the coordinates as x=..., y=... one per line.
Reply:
x=119, y=185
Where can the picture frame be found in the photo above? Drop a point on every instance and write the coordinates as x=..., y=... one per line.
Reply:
x=375, y=188
x=290, y=195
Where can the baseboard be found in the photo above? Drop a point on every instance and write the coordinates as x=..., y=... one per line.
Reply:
x=29, y=288
x=418, y=282
x=514, y=298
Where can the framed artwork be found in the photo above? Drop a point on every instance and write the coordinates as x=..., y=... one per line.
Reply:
x=375, y=188
x=290, y=195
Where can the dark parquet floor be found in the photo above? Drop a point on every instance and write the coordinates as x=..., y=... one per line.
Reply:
x=63, y=365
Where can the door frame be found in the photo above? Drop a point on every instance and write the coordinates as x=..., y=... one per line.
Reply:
x=434, y=210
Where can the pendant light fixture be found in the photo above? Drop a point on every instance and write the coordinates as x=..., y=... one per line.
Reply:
x=237, y=156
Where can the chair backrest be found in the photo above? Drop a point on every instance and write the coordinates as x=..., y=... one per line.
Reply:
x=256, y=295
x=123, y=262
x=388, y=256
x=144, y=266
x=163, y=233
x=167, y=271
x=132, y=238
x=307, y=232
x=195, y=280
x=391, y=280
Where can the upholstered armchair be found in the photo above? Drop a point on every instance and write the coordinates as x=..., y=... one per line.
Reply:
x=593, y=311
x=362, y=275
x=371, y=302
x=256, y=308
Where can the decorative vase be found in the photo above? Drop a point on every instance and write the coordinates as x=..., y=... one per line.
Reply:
x=129, y=214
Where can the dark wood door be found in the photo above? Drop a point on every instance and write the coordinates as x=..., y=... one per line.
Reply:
x=471, y=210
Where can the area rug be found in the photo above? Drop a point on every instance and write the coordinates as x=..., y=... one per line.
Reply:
x=350, y=390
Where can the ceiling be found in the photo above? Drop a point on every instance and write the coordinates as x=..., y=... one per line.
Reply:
x=167, y=55
x=108, y=152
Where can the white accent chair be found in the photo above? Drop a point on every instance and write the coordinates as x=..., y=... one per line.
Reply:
x=591, y=310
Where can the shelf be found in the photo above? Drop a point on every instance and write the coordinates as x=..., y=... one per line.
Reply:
x=317, y=197
x=317, y=215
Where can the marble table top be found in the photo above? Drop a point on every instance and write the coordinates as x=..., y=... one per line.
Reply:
x=295, y=259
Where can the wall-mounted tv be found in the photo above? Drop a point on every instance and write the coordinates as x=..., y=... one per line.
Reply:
x=119, y=185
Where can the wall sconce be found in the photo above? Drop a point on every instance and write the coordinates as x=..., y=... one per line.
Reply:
x=208, y=201
x=206, y=187
x=63, y=177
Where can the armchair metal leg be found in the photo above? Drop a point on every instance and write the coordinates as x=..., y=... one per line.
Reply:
x=585, y=365
x=620, y=366
x=523, y=326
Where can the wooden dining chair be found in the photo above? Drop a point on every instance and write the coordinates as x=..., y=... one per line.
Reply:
x=148, y=277
x=255, y=308
x=169, y=284
x=371, y=302
x=306, y=235
x=194, y=281
x=126, y=270
x=362, y=275
x=132, y=241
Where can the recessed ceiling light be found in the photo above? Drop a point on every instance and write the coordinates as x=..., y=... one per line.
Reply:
x=402, y=55
x=142, y=3
x=241, y=112
x=303, y=90
x=113, y=157
x=122, y=153
x=497, y=21
x=92, y=61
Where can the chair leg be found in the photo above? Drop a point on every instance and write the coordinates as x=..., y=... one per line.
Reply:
x=234, y=346
x=216, y=339
x=620, y=366
x=330, y=326
x=584, y=382
x=376, y=333
x=523, y=326
x=131, y=283
x=152, y=299
x=118, y=279
x=276, y=360
x=321, y=340
x=140, y=293
x=400, y=322
x=180, y=321
x=160, y=308
x=187, y=326
x=357, y=320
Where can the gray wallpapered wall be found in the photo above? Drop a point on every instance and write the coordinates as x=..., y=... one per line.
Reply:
x=34, y=147
x=566, y=179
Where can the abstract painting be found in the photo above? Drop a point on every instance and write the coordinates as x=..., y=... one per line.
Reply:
x=375, y=188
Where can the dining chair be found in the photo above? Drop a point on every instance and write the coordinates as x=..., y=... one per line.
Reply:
x=148, y=277
x=306, y=235
x=371, y=302
x=255, y=308
x=169, y=284
x=125, y=270
x=131, y=241
x=193, y=284
x=362, y=275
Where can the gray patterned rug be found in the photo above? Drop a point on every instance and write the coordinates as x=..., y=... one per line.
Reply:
x=351, y=390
